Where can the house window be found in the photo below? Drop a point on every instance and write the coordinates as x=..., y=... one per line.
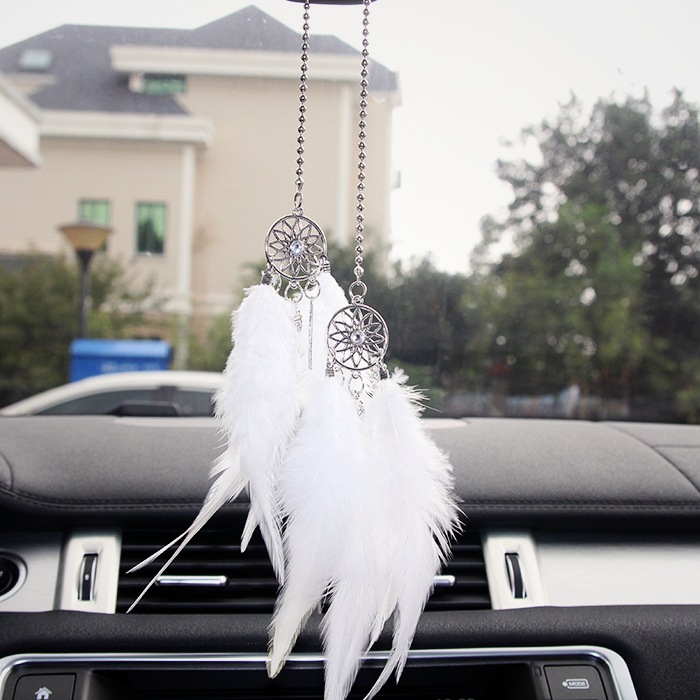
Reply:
x=150, y=228
x=95, y=211
x=164, y=84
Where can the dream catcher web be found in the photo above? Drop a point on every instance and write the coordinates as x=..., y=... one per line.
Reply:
x=357, y=338
x=352, y=497
x=295, y=247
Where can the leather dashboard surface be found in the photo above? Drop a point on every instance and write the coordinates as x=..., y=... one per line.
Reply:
x=507, y=472
x=661, y=645
x=541, y=474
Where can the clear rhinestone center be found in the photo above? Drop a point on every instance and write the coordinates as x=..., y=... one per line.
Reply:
x=296, y=247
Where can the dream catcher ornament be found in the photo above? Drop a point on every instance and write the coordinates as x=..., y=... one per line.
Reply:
x=353, y=499
x=365, y=494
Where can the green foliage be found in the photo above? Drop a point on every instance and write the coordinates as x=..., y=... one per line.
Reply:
x=431, y=324
x=433, y=321
x=38, y=318
x=689, y=395
x=603, y=282
x=599, y=287
x=37, y=323
x=210, y=347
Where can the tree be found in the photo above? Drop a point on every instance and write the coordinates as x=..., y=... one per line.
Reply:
x=607, y=220
x=210, y=346
x=431, y=321
x=570, y=307
x=38, y=317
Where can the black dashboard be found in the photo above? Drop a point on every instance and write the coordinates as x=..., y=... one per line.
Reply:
x=575, y=576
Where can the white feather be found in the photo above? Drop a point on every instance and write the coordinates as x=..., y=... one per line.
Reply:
x=356, y=596
x=320, y=485
x=257, y=408
x=227, y=487
x=258, y=405
x=415, y=478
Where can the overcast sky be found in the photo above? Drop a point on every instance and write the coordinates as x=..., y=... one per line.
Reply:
x=472, y=73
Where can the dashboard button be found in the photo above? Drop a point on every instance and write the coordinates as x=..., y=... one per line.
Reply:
x=575, y=683
x=45, y=687
x=9, y=575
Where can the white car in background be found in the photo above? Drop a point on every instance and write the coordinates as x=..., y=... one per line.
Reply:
x=171, y=393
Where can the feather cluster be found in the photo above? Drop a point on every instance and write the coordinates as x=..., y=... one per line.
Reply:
x=257, y=408
x=373, y=535
x=355, y=510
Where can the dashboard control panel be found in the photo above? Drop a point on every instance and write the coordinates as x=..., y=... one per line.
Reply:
x=548, y=673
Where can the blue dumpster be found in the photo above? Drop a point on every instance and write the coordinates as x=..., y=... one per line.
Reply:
x=97, y=356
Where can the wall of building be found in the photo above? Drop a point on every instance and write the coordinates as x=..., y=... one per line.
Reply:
x=243, y=182
x=35, y=202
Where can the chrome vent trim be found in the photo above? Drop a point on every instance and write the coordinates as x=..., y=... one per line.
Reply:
x=462, y=583
x=245, y=580
x=212, y=575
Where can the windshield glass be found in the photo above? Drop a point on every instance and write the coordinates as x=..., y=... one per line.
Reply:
x=531, y=203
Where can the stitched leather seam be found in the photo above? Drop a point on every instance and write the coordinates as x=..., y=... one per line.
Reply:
x=521, y=505
x=126, y=504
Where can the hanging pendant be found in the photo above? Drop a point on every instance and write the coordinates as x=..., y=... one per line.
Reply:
x=358, y=338
x=295, y=247
x=369, y=562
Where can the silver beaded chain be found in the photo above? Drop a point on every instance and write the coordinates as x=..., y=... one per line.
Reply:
x=358, y=288
x=358, y=336
x=299, y=182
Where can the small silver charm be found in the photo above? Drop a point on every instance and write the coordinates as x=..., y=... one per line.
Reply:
x=358, y=337
x=295, y=247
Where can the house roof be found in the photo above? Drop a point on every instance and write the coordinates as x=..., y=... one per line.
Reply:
x=83, y=78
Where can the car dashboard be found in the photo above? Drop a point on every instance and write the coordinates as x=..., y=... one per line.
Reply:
x=575, y=574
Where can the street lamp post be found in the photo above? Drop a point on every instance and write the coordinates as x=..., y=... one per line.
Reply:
x=86, y=238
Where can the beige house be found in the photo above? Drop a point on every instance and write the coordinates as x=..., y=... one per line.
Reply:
x=184, y=142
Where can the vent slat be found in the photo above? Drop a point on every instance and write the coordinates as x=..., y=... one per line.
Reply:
x=470, y=590
x=251, y=585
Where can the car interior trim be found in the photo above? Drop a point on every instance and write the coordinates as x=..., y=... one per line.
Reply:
x=498, y=545
x=206, y=581
x=616, y=569
x=39, y=559
x=615, y=664
x=107, y=546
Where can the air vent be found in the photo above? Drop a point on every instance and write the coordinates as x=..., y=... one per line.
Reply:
x=463, y=584
x=212, y=576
